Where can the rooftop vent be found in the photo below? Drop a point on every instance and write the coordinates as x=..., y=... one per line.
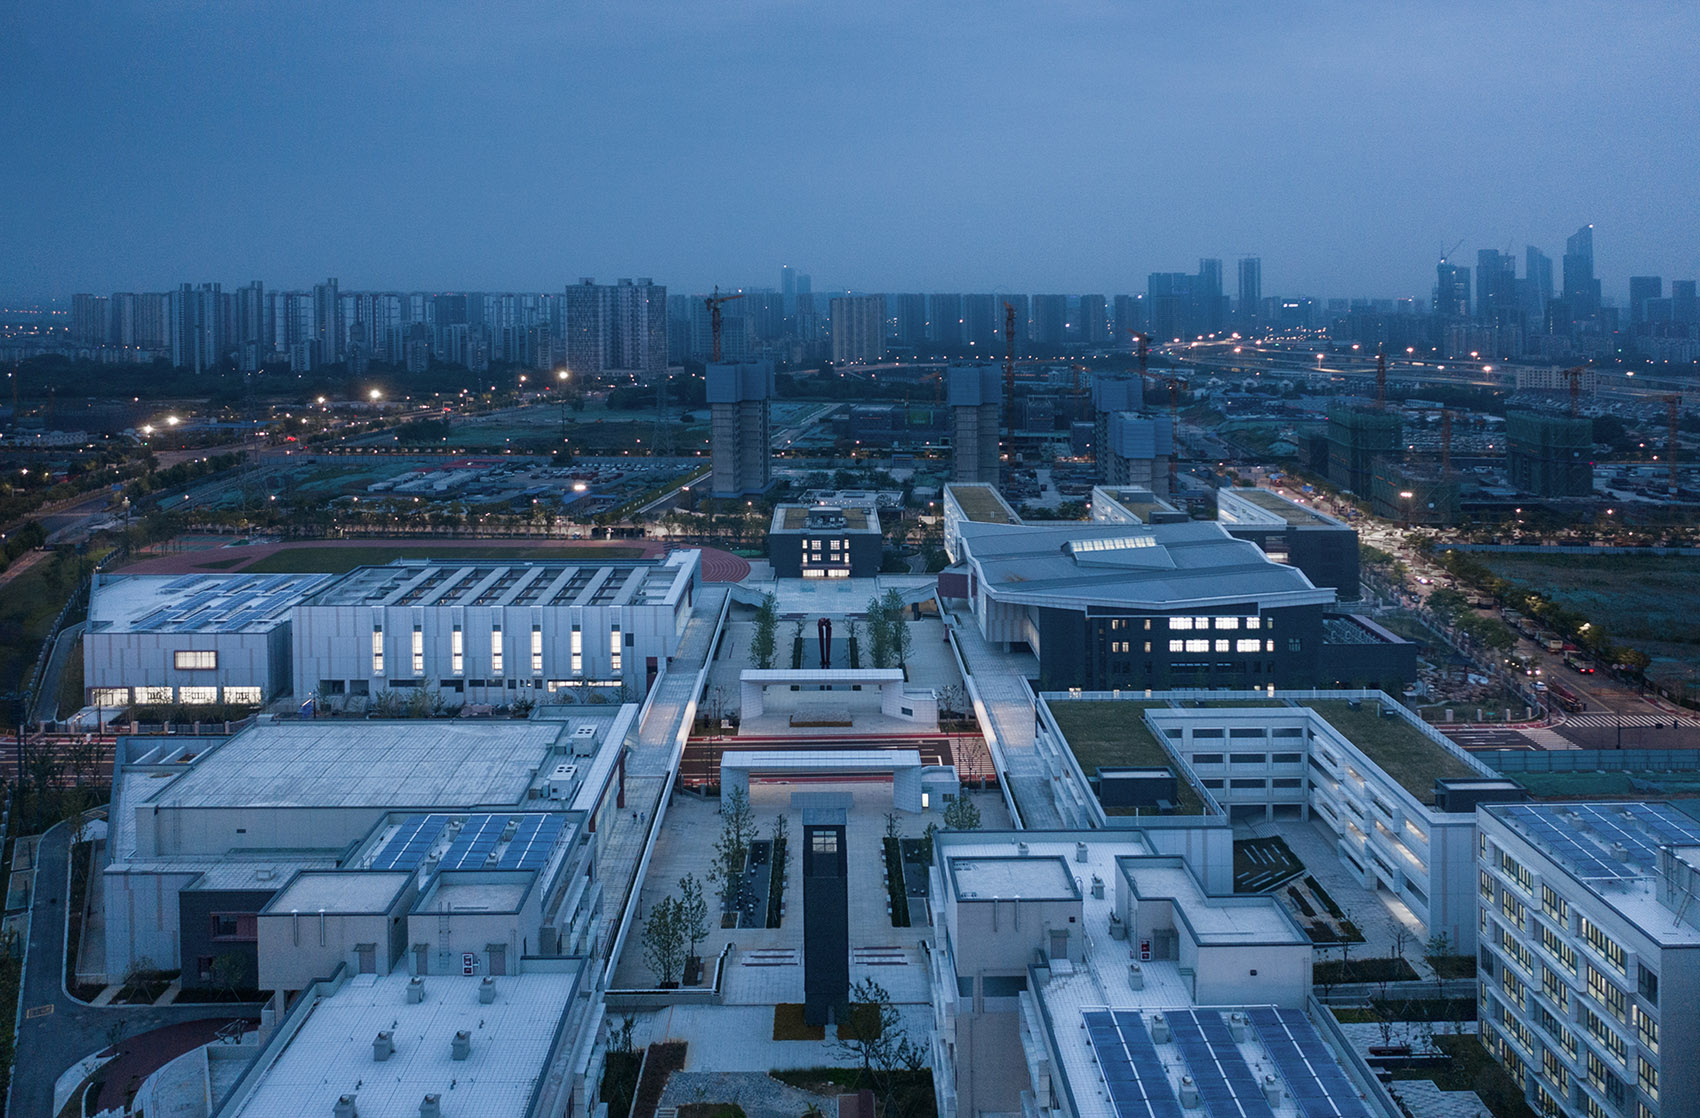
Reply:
x=487, y=991
x=344, y=1107
x=1021, y=849
x=431, y=1106
x=1080, y=852
x=1237, y=1027
x=461, y=1047
x=415, y=990
x=1272, y=1090
x=383, y=1046
x=1189, y=1093
x=1159, y=1029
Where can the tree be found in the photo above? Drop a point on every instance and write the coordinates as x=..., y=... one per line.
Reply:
x=227, y=971
x=961, y=815
x=664, y=941
x=899, y=640
x=879, y=634
x=871, y=1032
x=767, y=629
x=891, y=830
x=731, y=849
x=693, y=913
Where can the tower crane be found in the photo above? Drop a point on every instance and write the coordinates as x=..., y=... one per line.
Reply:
x=1574, y=376
x=1673, y=416
x=714, y=302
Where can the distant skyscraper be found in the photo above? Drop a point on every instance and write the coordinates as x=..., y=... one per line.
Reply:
x=1684, y=304
x=739, y=425
x=982, y=320
x=197, y=327
x=974, y=394
x=1642, y=290
x=912, y=320
x=1581, y=289
x=1210, y=310
x=1094, y=320
x=1451, y=290
x=1251, y=289
x=1170, y=298
x=1129, y=316
x=1496, y=288
x=327, y=323
x=945, y=314
x=1537, y=285
x=858, y=329
x=1050, y=319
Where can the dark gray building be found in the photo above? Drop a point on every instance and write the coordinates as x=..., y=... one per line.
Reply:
x=824, y=541
x=1324, y=548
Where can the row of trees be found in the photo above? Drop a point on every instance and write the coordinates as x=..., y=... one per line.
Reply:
x=672, y=930
x=889, y=640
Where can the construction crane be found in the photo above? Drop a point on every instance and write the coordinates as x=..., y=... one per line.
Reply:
x=1446, y=442
x=1673, y=415
x=1574, y=376
x=714, y=302
x=1380, y=381
x=1142, y=345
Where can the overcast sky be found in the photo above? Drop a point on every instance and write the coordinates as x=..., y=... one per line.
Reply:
x=881, y=145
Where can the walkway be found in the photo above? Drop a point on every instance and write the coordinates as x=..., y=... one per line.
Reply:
x=1000, y=679
x=650, y=760
x=54, y=1030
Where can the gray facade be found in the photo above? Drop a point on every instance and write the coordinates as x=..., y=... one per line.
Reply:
x=739, y=418
x=824, y=542
x=975, y=398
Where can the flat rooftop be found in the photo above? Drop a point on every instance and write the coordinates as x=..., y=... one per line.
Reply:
x=1140, y=503
x=1000, y=878
x=422, y=763
x=499, y=583
x=1247, y=919
x=794, y=518
x=1285, y=508
x=331, y=1054
x=469, y=894
x=981, y=503
x=1407, y=755
x=1107, y=734
x=341, y=891
x=205, y=603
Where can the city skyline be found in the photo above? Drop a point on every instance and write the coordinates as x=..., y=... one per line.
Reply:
x=901, y=150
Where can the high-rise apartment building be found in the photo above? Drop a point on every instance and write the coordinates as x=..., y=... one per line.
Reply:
x=1451, y=290
x=1170, y=312
x=858, y=329
x=945, y=315
x=1050, y=320
x=197, y=337
x=739, y=424
x=912, y=320
x=1497, y=298
x=619, y=328
x=1094, y=320
x=982, y=318
x=1643, y=290
x=1129, y=317
x=1536, y=287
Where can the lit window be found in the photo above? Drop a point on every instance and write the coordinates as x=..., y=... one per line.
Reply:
x=1227, y=623
x=457, y=651
x=185, y=661
x=110, y=696
x=1180, y=624
x=1252, y=645
x=242, y=696
x=198, y=696
x=1201, y=622
x=418, y=651
x=1269, y=646
x=377, y=651
x=150, y=695
x=1253, y=622
x=496, y=651
x=1177, y=646
x=537, y=650
x=614, y=650
x=1222, y=645
x=1197, y=646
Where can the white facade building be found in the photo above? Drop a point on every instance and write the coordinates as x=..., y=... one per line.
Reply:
x=1590, y=964
x=192, y=639
x=494, y=632
x=1299, y=759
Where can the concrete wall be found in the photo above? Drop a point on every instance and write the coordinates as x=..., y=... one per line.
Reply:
x=1248, y=975
x=125, y=659
x=142, y=919
x=999, y=937
x=297, y=948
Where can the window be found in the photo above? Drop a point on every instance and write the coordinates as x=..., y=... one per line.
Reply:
x=1555, y=906
x=1646, y=1028
x=1247, y=783
x=1288, y=782
x=1516, y=871
x=1246, y=758
x=1647, y=984
x=1601, y=989
x=1179, y=624
x=186, y=661
x=575, y=650
x=1213, y=785
x=1206, y=759
x=244, y=696
x=1486, y=886
x=496, y=650
x=537, y=650
x=1177, y=646
x=614, y=649
x=457, y=651
x=110, y=696
x=1253, y=622
x=1609, y=950
x=1294, y=644
x=824, y=842
x=1558, y=949
x=1227, y=623
x=1222, y=645
x=1197, y=646
x=418, y=651
x=1287, y=759
x=377, y=650
x=1647, y=1078
x=198, y=696
x=1252, y=645
x=238, y=926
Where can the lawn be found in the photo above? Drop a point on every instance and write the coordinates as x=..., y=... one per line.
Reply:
x=28, y=605
x=1648, y=597
x=340, y=560
x=1108, y=733
x=1262, y=863
x=1473, y=1069
x=1401, y=750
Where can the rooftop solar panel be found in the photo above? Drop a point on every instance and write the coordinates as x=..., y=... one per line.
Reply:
x=1306, y=1065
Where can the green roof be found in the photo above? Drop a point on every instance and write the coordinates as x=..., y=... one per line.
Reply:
x=980, y=503
x=1398, y=748
x=1104, y=734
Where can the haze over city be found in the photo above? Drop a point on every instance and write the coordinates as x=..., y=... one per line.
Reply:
x=881, y=146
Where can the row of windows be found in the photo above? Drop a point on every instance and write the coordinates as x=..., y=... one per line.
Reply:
x=1215, y=784
x=457, y=650
x=1223, y=645
x=162, y=696
x=1220, y=624
x=1202, y=759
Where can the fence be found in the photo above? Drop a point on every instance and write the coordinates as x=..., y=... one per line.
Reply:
x=1592, y=760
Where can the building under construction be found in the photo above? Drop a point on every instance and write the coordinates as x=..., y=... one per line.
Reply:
x=1550, y=455
x=975, y=397
x=1414, y=494
x=1138, y=451
x=1357, y=437
x=739, y=403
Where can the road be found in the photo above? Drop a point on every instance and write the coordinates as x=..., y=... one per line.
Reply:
x=54, y=1030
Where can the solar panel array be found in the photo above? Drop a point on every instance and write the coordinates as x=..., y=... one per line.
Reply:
x=1582, y=836
x=1226, y=1086
x=535, y=835
x=1318, y=1086
x=1133, y=1073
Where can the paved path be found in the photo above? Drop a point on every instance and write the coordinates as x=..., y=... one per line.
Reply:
x=55, y=1031
x=760, y=1096
x=1003, y=689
